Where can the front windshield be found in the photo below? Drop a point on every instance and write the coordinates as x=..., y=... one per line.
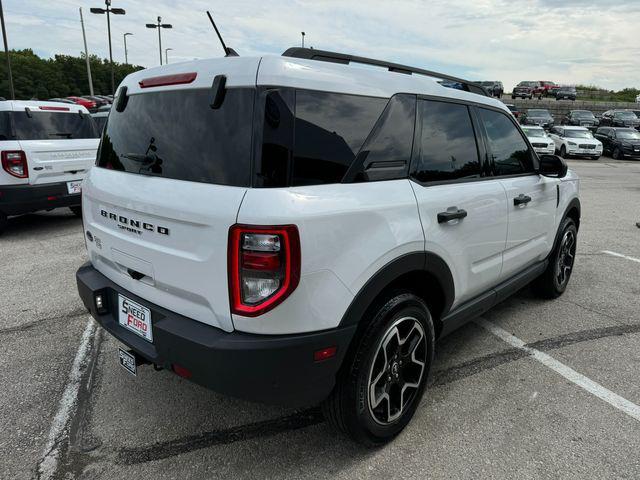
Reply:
x=534, y=132
x=528, y=84
x=628, y=135
x=625, y=115
x=583, y=114
x=577, y=134
x=539, y=113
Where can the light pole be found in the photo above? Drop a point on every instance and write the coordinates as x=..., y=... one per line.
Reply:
x=115, y=11
x=126, y=58
x=6, y=52
x=166, y=55
x=159, y=26
x=86, y=54
x=303, y=34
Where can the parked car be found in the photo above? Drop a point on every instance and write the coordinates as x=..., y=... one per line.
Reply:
x=293, y=270
x=98, y=101
x=495, y=88
x=61, y=100
x=566, y=93
x=549, y=89
x=576, y=142
x=88, y=104
x=513, y=109
x=581, y=118
x=537, y=116
x=104, y=108
x=100, y=119
x=619, y=118
x=46, y=150
x=638, y=99
x=106, y=98
x=527, y=90
x=619, y=142
x=541, y=142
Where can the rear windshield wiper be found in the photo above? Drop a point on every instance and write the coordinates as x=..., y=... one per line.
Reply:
x=137, y=157
x=61, y=134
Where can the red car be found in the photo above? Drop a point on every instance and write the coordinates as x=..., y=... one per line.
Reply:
x=89, y=104
x=549, y=88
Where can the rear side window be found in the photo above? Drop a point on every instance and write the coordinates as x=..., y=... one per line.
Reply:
x=45, y=126
x=330, y=128
x=447, y=148
x=177, y=135
x=509, y=150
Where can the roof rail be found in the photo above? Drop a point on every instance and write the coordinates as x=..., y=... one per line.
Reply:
x=334, y=57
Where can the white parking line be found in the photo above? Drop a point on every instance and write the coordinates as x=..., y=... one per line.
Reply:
x=66, y=408
x=580, y=380
x=619, y=255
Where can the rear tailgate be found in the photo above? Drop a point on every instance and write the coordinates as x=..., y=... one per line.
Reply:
x=170, y=178
x=52, y=161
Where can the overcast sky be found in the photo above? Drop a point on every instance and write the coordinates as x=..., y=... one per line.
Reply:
x=567, y=41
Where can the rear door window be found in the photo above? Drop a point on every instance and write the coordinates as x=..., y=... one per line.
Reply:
x=176, y=134
x=447, y=148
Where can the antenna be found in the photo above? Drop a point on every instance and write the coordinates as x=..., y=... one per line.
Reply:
x=229, y=52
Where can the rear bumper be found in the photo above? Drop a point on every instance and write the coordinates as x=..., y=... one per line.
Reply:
x=276, y=369
x=19, y=199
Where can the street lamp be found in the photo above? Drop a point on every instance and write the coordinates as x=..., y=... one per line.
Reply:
x=159, y=26
x=115, y=11
x=126, y=58
x=166, y=55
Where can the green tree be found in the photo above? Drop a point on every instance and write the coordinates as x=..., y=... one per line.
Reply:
x=61, y=76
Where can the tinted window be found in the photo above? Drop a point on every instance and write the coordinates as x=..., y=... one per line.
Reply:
x=447, y=147
x=509, y=150
x=100, y=122
x=387, y=152
x=330, y=128
x=46, y=126
x=176, y=134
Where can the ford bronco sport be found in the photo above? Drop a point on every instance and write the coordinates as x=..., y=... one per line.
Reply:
x=300, y=229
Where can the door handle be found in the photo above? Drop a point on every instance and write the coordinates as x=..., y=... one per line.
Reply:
x=521, y=199
x=452, y=213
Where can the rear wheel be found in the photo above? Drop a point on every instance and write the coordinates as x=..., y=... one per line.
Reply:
x=381, y=383
x=553, y=282
x=77, y=210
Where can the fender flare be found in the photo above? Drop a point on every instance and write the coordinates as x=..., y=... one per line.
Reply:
x=421, y=262
x=574, y=203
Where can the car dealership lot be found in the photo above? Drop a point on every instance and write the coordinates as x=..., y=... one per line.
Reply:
x=492, y=409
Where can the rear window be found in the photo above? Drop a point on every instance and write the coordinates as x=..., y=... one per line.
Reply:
x=177, y=135
x=38, y=125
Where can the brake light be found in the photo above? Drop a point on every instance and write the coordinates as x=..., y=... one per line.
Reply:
x=264, y=267
x=56, y=109
x=15, y=163
x=163, y=80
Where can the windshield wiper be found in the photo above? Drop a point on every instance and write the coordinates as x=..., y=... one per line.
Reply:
x=137, y=157
x=62, y=134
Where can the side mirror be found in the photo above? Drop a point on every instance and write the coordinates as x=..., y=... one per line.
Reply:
x=552, y=166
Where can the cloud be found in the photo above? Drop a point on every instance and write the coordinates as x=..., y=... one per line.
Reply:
x=568, y=41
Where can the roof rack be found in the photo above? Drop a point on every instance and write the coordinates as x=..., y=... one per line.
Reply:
x=343, y=58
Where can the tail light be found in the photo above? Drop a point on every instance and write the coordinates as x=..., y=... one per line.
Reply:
x=15, y=163
x=264, y=267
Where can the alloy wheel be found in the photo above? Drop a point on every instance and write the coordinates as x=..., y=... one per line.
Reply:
x=566, y=257
x=397, y=370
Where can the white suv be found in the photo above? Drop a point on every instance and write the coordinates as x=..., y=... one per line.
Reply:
x=45, y=148
x=297, y=231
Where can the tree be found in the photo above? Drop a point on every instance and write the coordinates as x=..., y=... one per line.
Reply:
x=61, y=76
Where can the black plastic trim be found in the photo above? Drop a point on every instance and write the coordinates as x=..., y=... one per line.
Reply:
x=20, y=199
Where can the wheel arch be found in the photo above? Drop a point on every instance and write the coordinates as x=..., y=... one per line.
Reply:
x=425, y=274
x=572, y=211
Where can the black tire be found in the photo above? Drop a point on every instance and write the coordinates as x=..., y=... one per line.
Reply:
x=3, y=222
x=349, y=407
x=77, y=210
x=513, y=97
x=553, y=282
x=563, y=152
x=617, y=154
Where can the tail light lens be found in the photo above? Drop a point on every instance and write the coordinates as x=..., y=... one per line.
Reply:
x=264, y=267
x=15, y=163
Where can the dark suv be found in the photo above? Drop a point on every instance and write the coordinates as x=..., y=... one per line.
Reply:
x=537, y=116
x=581, y=118
x=566, y=93
x=619, y=118
x=619, y=142
x=495, y=89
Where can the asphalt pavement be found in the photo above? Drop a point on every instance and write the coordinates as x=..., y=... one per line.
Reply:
x=533, y=389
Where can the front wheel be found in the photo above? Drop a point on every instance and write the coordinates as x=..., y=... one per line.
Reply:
x=554, y=280
x=617, y=154
x=382, y=380
x=563, y=151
